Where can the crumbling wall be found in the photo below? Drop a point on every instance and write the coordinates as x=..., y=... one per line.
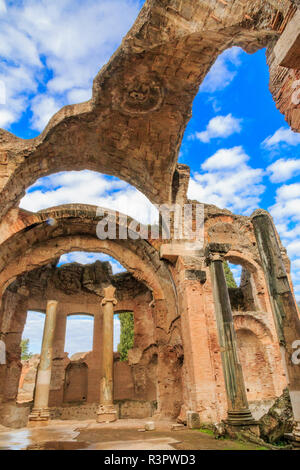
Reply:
x=77, y=288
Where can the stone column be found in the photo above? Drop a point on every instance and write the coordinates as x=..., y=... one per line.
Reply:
x=238, y=408
x=106, y=411
x=40, y=412
x=60, y=332
x=285, y=311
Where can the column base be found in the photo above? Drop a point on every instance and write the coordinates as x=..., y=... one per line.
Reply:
x=240, y=418
x=106, y=414
x=39, y=417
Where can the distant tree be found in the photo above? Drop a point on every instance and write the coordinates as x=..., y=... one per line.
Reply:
x=229, y=276
x=127, y=334
x=25, y=354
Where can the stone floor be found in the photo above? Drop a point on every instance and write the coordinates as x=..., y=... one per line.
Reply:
x=121, y=435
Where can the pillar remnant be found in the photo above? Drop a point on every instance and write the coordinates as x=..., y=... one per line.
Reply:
x=40, y=412
x=106, y=411
x=238, y=408
x=285, y=311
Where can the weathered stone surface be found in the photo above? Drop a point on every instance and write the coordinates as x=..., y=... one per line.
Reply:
x=27, y=379
x=150, y=426
x=132, y=128
x=137, y=107
x=279, y=419
x=193, y=420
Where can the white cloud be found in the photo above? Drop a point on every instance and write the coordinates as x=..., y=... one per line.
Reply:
x=79, y=95
x=226, y=159
x=6, y=118
x=43, y=108
x=60, y=46
x=117, y=332
x=237, y=272
x=222, y=72
x=79, y=334
x=286, y=213
x=282, y=135
x=3, y=8
x=228, y=182
x=296, y=264
x=294, y=247
x=287, y=206
x=34, y=331
x=88, y=187
x=220, y=126
x=284, y=169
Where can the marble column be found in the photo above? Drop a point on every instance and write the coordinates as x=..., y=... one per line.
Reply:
x=40, y=412
x=285, y=311
x=238, y=408
x=106, y=411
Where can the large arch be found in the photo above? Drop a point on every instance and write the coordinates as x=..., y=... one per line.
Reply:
x=35, y=242
x=137, y=108
x=73, y=228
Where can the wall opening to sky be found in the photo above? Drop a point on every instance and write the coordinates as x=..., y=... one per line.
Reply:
x=89, y=187
x=242, y=289
x=83, y=257
x=79, y=337
x=236, y=270
x=33, y=330
x=79, y=334
x=241, y=151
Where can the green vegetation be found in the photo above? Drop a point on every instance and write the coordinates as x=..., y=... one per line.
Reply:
x=229, y=276
x=25, y=354
x=206, y=431
x=237, y=444
x=127, y=334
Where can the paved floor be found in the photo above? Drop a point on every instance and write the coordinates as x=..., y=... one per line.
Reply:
x=121, y=435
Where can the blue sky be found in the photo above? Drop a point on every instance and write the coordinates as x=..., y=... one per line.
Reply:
x=241, y=151
x=79, y=332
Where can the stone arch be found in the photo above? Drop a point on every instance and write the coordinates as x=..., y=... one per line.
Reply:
x=257, y=326
x=36, y=242
x=260, y=291
x=76, y=382
x=137, y=84
x=254, y=342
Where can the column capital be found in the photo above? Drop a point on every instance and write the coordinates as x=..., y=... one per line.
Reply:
x=259, y=213
x=109, y=296
x=52, y=302
x=216, y=252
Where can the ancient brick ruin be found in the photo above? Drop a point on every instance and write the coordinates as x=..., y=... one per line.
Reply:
x=199, y=347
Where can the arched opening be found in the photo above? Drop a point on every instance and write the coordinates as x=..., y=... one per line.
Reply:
x=241, y=288
x=79, y=335
x=76, y=287
x=256, y=367
x=124, y=333
x=31, y=344
x=89, y=187
x=76, y=382
x=258, y=353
